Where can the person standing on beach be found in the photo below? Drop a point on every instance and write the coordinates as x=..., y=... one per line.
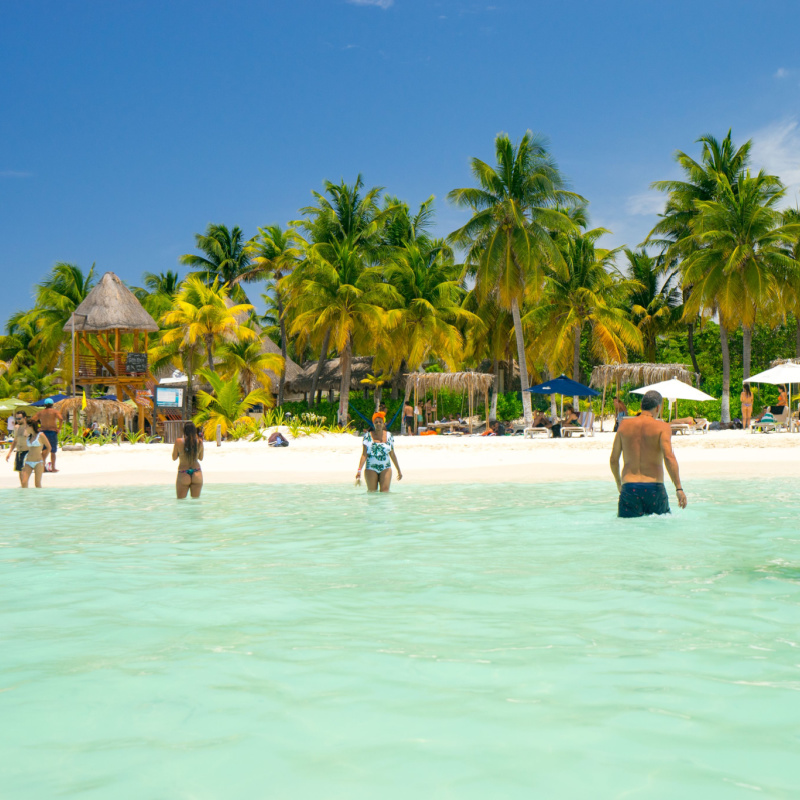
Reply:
x=188, y=452
x=50, y=421
x=408, y=418
x=620, y=412
x=645, y=443
x=38, y=446
x=747, y=405
x=377, y=453
x=19, y=442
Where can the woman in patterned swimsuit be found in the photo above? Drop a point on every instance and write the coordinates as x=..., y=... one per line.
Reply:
x=377, y=453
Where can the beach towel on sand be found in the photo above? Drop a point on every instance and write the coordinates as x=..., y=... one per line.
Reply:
x=277, y=440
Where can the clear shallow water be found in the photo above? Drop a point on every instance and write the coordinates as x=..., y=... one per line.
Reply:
x=453, y=642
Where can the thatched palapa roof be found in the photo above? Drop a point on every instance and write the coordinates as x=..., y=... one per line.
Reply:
x=107, y=410
x=640, y=374
x=109, y=306
x=454, y=381
x=778, y=361
x=331, y=375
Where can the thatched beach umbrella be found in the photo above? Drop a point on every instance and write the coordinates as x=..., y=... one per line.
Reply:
x=640, y=374
x=106, y=410
x=473, y=383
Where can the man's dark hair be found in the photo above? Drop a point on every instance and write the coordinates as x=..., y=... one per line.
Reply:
x=23, y=414
x=651, y=400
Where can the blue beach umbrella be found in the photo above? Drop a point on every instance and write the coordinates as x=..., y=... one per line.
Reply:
x=563, y=385
x=55, y=398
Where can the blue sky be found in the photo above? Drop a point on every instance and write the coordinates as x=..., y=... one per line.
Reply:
x=127, y=127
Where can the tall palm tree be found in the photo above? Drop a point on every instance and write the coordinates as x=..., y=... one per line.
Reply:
x=741, y=254
x=516, y=206
x=17, y=346
x=226, y=256
x=36, y=382
x=275, y=254
x=790, y=288
x=204, y=314
x=654, y=300
x=700, y=184
x=224, y=405
x=335, y=295
x=579, y=298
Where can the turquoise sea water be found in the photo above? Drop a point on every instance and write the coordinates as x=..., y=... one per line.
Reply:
x=449, y=642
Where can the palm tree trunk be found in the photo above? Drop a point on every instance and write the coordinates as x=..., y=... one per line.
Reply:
x=378, y=393
x=344, y=386
x=323, y=355
x=747, y=350
x=695, y=366
x=576, y=362
x=726, y=374
x=398, y=379
x=495, y=388
x=282, y=380
x=797, y=337
x=523, y=366
x=210, y=352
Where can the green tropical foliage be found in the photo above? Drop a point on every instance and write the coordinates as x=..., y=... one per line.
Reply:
x=225, y=405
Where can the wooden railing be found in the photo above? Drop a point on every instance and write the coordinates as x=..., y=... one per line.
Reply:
x=91, y=367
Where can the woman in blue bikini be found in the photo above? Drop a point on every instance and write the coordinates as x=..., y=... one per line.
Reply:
x=377, y=454
x=188, y=452
x=38, y=450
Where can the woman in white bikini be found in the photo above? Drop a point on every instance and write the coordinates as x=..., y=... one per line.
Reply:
x=377, y=453
x=38, y=450
x=188, y=452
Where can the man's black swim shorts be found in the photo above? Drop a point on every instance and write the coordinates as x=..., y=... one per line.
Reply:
x=641, y=499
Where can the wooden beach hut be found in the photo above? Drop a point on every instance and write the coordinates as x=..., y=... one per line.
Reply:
x=474, y=384
x=110, y=330
x=640, y=374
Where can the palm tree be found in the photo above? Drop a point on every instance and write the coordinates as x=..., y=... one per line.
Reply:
x=790, y=289
x=579, y=298
x=224, y=405
x=204, y=314
x=250, y=362
x=654, y=300
x=336, y=293
x=427, y=322
x=16, y=347
x=700, y=184
x=158, y=292
x=376, y=383
x=36, y=382
x=741, y=252
x=517, y=204
x=275, y=254
x=57, y=296
x=226, y=257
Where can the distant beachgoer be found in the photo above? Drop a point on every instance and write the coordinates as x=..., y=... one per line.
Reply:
x=378, y=455
x=645, y=443
x=541, y=420
x=571, y=417
x=428, y=412
x=188, y=452
x=19, y=442
x=38, y=448
x=684, y=421
x=620, y=412
x=10, y=425
x=408, y=418
x=50, y=421
x=783, y=401
x=747, y=404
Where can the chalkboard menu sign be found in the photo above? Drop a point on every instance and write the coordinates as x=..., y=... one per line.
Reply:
x=136, y=362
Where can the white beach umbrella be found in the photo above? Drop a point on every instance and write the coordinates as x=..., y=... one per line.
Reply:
x=787, y=374
x=674, y=389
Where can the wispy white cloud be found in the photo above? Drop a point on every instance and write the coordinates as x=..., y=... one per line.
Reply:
x=781, y=73
x=645, y=204
x=776, y=149
x=12, y=173
x=384, y=4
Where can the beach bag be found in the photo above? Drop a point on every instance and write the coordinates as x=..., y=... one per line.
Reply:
x=278, y=440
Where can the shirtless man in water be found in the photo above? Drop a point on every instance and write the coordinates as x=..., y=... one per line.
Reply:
x=645, y=443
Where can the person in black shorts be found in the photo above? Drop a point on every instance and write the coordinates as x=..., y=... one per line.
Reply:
x=645, y=443
x=19, y=443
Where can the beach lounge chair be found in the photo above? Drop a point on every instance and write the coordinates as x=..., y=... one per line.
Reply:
x=700, y=425
x=775, y=424
x=585, y=426
x=530, y=433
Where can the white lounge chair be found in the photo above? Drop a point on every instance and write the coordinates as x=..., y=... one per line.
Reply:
x=779, y=421
x=530, y=433
x=585, y=426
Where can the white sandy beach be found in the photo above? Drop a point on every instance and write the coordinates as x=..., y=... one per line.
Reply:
x=431, y=459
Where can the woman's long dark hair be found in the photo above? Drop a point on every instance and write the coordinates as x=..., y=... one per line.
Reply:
x=747, y=390
x=34, y=423
x=190, y=441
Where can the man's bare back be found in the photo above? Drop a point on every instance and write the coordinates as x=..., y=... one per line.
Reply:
x=645, y=444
